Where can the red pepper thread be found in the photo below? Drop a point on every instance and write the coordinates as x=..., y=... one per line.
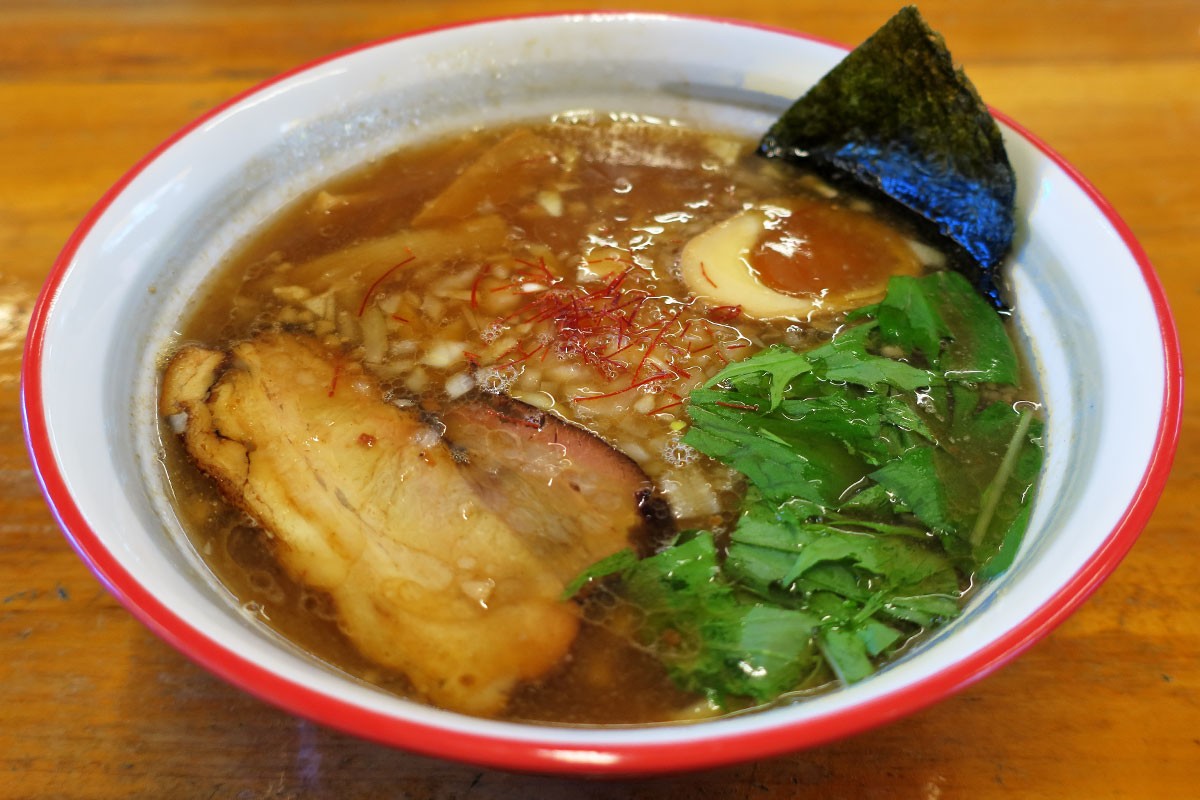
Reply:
x=337, y=372
x=599, y=324
x=628, y=388
x=371, y=291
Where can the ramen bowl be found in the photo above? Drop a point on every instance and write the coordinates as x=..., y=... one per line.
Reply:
x=115, y=297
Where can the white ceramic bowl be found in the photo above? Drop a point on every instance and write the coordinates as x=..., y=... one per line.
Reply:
x=1088, y=306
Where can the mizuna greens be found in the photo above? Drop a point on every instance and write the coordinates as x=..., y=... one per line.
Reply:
x=886, y=472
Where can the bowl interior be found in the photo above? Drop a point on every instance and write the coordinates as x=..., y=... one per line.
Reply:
x=126, y=278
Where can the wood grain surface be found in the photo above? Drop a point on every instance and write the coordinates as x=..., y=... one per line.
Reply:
x=93, y=706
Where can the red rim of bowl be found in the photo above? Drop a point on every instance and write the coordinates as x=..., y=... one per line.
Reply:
x=558, y=757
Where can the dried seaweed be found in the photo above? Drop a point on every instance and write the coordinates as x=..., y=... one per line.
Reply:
x=897, y=117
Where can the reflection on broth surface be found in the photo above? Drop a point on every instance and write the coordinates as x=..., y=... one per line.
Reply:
x=421, y=402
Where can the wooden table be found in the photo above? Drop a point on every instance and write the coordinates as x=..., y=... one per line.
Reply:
x=92, y=705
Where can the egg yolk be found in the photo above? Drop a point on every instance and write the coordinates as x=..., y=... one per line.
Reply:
x=809, y=247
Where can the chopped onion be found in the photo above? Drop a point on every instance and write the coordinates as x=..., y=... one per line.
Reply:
x=444, y=354
x=375, y=335
x=459, y=384
x=552, y=202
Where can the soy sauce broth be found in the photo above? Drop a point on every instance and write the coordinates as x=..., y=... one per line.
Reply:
x=493, y=261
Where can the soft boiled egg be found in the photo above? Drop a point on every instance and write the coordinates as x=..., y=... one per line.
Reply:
x=796, y=258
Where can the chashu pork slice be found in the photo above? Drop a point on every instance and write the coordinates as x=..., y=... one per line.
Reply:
x=522, y=461
x=432, y=572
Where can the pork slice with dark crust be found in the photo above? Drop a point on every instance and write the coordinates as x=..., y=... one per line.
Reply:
x=566, y=491
x=431, y=573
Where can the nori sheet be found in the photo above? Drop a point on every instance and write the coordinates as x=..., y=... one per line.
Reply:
x=896, y=116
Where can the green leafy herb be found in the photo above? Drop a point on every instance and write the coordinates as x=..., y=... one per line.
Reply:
x=617, y=562
x=913, y=477
x=878, y=485
x=711, y=639
x=941, y=318
x=846, y=359
x=908, y=318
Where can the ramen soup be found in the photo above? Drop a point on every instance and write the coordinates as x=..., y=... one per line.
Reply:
x=596, y=420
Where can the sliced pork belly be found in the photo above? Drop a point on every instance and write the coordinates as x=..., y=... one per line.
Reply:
x=524, y=462
x=430, y=570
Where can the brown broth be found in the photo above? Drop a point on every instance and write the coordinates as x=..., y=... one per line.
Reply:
x=523, y=303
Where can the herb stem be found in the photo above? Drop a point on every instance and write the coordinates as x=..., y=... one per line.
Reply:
x=991, y=495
